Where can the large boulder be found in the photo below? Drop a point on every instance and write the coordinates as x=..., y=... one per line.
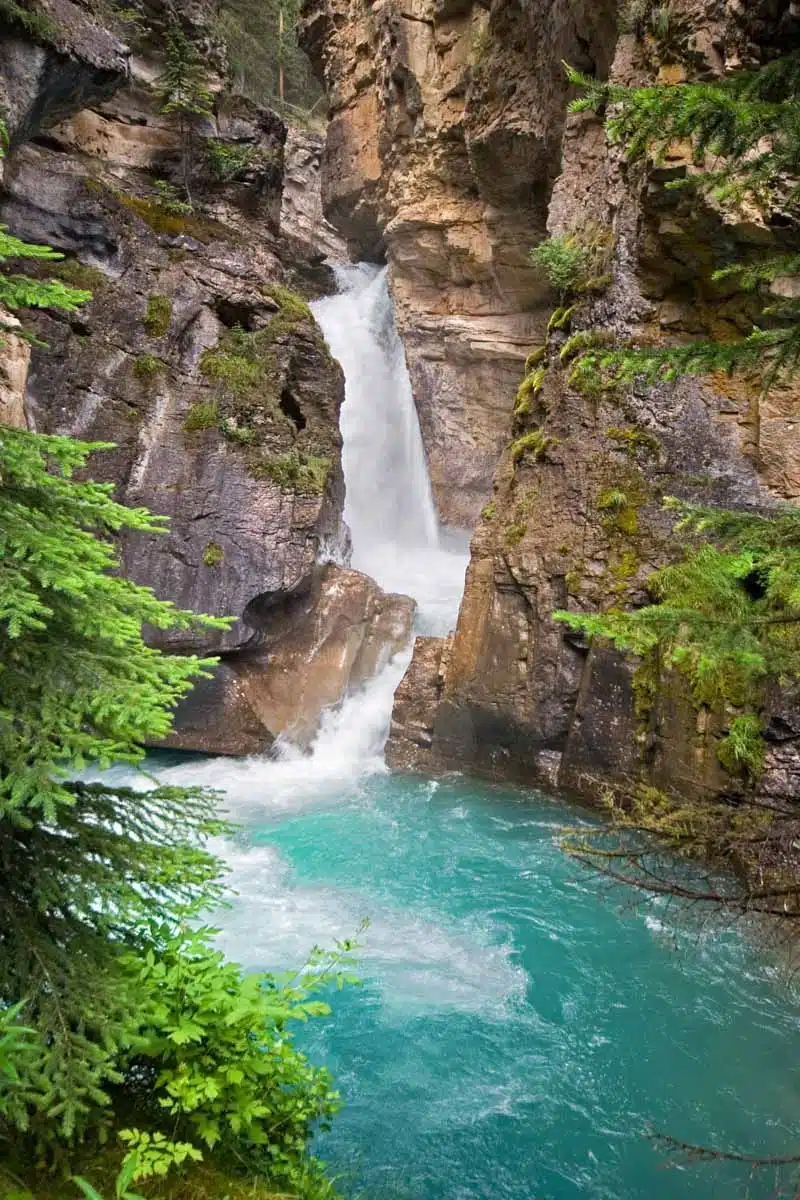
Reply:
x=316, y=648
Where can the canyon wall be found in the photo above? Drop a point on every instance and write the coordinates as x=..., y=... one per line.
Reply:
x=450, y=152
x=442, y=150
x=195, y=356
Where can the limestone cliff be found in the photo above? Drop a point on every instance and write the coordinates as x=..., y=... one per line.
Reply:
x=443, y=145
x=450, y=152
x=194, y=358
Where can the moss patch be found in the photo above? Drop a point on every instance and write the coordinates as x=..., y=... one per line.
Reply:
x=637, y=443
x=203, y=415
x=294, y=471
x=213, y=555
x=158, y=316
x=147, y=366
x=157, y=215
x=534, y=445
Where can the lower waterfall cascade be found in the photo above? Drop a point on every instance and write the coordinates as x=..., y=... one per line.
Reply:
x=520, y=1030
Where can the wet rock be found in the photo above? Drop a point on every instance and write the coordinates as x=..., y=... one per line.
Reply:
x=319, y=647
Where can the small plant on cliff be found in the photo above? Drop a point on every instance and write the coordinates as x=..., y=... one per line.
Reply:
x=202, y=415
x=158, y=316
x=536, y=444
x=183, y=89
x=577, y=261
x=213, y=555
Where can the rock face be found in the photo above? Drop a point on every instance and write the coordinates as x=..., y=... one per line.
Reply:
x=442, y=150
x=194, y=358
x=576, y=519
x=317, y=647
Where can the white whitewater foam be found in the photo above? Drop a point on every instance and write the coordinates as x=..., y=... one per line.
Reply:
x=389, y=504
x=415, y=959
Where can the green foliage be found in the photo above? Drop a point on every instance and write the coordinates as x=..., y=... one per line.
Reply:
x=660, y=26
x=183, y=87
x=158, y=316
x=728, y=615
x=147, y=366
x=577, y=261
x=228, y=161
x=35, y=25
x=226, y=1064
x=202, y=415
x=121, y=1184
x=213, y=555
x=154, y=1154
x=170, y=199
x=742, y=750
x=250, y=29
x=81, y=865
x=489, y=511
x=536, y=444
x=19, y=291
x=747, y=126
x=296, y=471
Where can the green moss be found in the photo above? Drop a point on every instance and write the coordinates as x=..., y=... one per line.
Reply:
x=742, y=750
x=530, y=387
x=36, y=25
x=585, y=339
x=515, y=533
x=536, y=444
x=489, y=511
x=637, y=443
x=572, y=581
x=147, y=366
x=213, y=555
x=293, y=312
x=244, y=369
x=78, y=275
x=203, y=415
x=560, y=318
x=622, y=571
x=645, y=688
x=295, y=471
x=158, y=316
x=158, y=216
x=534, y=358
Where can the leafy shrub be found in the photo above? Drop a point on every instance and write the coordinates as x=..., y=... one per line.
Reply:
x=228, y=160
x=225, y=1075
x=170, y=199
x=158, y=316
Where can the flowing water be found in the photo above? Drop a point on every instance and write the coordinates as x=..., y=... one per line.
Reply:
x=519, y=1028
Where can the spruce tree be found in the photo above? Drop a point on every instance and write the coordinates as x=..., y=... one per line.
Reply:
x=183, y=89
x=728, y=614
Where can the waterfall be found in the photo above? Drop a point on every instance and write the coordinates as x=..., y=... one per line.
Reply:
x=389, y=506
x=396, y=539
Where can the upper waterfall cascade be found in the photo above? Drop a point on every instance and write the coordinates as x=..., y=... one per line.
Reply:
x=389, y=505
